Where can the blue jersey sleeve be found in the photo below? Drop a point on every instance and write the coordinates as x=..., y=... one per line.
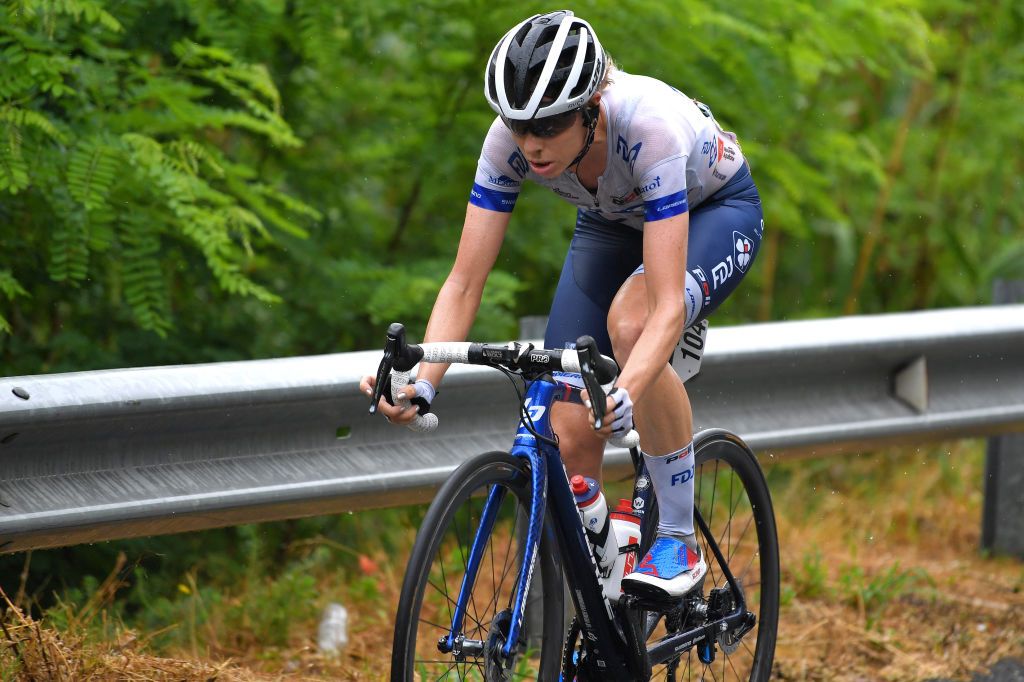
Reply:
x=492, y=199
x=499, y=172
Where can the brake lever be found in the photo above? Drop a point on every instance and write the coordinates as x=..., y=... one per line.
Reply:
x=586, y=348
x=392, y=347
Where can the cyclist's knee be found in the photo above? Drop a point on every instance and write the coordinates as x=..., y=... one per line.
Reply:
x=624, y=331
x=627, y=317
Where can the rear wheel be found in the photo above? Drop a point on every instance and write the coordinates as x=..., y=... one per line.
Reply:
x=732, y=497
x=434, y=577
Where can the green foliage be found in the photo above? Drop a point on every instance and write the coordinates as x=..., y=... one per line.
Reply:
x=872, y=593
x=811, y=576
x=121, y=157
x=192, y=180
x=10, y=288
x=300, y=169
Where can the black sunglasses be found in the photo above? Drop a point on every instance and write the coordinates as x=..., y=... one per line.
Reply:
x=549, y=126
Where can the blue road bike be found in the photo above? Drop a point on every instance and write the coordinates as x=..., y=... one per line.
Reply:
x=502, y=550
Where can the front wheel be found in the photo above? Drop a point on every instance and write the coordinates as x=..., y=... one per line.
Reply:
x=439, y=563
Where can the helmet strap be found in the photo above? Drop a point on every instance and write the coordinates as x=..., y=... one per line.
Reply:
x=590, y=116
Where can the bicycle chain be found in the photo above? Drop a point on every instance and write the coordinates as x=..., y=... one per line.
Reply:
x=570, y=669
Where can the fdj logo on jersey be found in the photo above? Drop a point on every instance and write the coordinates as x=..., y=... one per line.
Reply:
x=744, y=250
x=682, y=476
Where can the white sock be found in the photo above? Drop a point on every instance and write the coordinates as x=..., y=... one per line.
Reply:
x=672, y=476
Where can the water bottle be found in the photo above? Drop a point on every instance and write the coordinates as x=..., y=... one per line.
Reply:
x=592, y=505
x=332, y=635
x=626, y=528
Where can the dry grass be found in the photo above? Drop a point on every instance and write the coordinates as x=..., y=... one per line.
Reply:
x=901, y=591
x=882, y=580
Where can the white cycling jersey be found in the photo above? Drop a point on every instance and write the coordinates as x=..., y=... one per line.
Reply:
x=666, y=154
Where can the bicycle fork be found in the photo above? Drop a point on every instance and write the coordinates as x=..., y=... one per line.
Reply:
x=525, y=445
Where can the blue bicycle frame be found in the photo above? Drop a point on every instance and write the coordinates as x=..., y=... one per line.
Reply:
x=577, y=560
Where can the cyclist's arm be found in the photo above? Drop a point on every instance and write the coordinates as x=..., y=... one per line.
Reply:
x=459, y=299
x=665, y=268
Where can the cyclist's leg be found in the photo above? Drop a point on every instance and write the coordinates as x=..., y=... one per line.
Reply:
x=601, y=257
x=724, y=237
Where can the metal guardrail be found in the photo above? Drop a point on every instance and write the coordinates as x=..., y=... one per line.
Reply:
x=93, y=456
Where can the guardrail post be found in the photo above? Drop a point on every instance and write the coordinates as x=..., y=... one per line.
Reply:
x=1002, y=526
x=532, y=326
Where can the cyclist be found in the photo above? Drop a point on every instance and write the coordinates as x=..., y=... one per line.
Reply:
x=668, y=223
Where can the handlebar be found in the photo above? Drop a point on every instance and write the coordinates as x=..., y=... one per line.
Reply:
x=400, y=357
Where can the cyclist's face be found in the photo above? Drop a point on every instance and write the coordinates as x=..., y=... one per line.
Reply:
x=551, y=152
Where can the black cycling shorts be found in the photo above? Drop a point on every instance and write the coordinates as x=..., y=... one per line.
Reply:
x=725, y=236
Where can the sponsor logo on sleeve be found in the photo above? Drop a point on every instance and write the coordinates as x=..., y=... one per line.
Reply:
x=502, y=181
x=651, y=186
x=666, y=207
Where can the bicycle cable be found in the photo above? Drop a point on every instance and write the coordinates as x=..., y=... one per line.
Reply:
x=524, y=415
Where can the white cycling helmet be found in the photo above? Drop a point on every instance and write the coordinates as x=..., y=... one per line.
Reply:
x=547, y=65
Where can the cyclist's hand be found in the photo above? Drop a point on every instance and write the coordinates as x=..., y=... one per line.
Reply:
x=419, y=394
x=618, y=415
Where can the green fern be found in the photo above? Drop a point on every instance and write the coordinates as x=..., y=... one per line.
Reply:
x=92, y=170
x=26, y=118
x=251, y=84
x=11, y=289
x=206, y=216
x=49, y=11
x=14, y=121
x=101, y=232
x=255, y=195
x=322, y=31
x=109, y=148
x=142, y=279
x=69, y=240
x=13, y=169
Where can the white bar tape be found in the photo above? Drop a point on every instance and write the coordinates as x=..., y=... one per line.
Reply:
x=421, y=423
x=446, y=351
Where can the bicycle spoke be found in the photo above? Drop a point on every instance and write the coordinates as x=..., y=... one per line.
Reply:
x=451, y=602
x=731, y=547
x=442, y=628
x=504, y=573
x=471, y=534
x=728, y=659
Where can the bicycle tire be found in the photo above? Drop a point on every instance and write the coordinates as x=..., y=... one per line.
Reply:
x=435, y=571
x=742, y=520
